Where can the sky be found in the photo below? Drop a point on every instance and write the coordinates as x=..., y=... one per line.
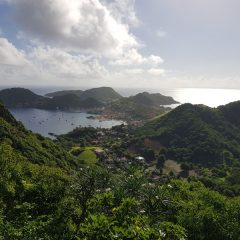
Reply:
x=120, y=43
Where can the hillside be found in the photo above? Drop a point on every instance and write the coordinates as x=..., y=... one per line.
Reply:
x=19, y=97
x=102, y=94
x=64, y=92
x=128, y=109
x=231, y=112
x=195, y=133
x=155, y=99
x=141, y=107
x=69, y=102
x=43, y=195
x=29, y=146
x=24, y=98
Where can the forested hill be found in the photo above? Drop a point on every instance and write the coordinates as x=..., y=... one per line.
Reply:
x=26, y=145
x=24, y=98
x=44, y=196
x=197, y=133
x=231, y=112
x=19, y=97
x=154, y=99
x=101, y=94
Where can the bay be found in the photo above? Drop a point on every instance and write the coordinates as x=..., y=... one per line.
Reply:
x=57, y=122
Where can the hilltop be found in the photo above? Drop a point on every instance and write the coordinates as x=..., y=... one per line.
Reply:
x=152, y=99
x=19, y=97
x=78, y=93
x=101, y=94
x=24, y=98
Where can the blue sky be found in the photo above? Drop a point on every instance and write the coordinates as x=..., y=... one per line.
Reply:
x=122, y=43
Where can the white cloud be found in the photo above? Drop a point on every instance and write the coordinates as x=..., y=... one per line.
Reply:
x=10, y=55
x=46, y=64
x=85, y=25
x=64, y=65
x=76, y=42
x=133, y=57
x=123, y=11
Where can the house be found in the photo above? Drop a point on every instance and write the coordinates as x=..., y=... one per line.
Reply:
x=140, y=159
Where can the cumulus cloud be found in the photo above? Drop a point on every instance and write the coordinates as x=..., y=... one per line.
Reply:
x=74, y=25
x=80, y=41
x=133, y=57
x=65, y=65
x=123, y=11
x=10, y=55
x=46, y=64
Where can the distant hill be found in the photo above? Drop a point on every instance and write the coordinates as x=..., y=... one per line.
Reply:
x=197, y=133
x=64, y=92
x=141, y=107
x=155, y=99
x=19, y=97
x=68, y=102
x=28, y=146
x=128, y=108
x=102, y=94
x=24, y=98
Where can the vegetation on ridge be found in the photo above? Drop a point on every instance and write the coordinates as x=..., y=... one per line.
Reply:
x=46, y=193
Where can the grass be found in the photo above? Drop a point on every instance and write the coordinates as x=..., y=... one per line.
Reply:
x=88, y=156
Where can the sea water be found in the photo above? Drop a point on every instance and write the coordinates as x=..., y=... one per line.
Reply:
x=57, y=122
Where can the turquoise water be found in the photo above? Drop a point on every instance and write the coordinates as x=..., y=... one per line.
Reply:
x=57, y=122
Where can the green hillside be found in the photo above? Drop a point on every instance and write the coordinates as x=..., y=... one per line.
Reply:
x=29, y=146
x=45, y=195
x=195, y=133
x=19, y=97
x=231, y=112
x=128, y=108
x=64, y=92
x=101, y=94
x=69, y=102
x=154, y=99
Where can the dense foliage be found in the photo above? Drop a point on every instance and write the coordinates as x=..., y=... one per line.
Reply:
x=101, y=94
x=195, y=133
x=46, y=194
